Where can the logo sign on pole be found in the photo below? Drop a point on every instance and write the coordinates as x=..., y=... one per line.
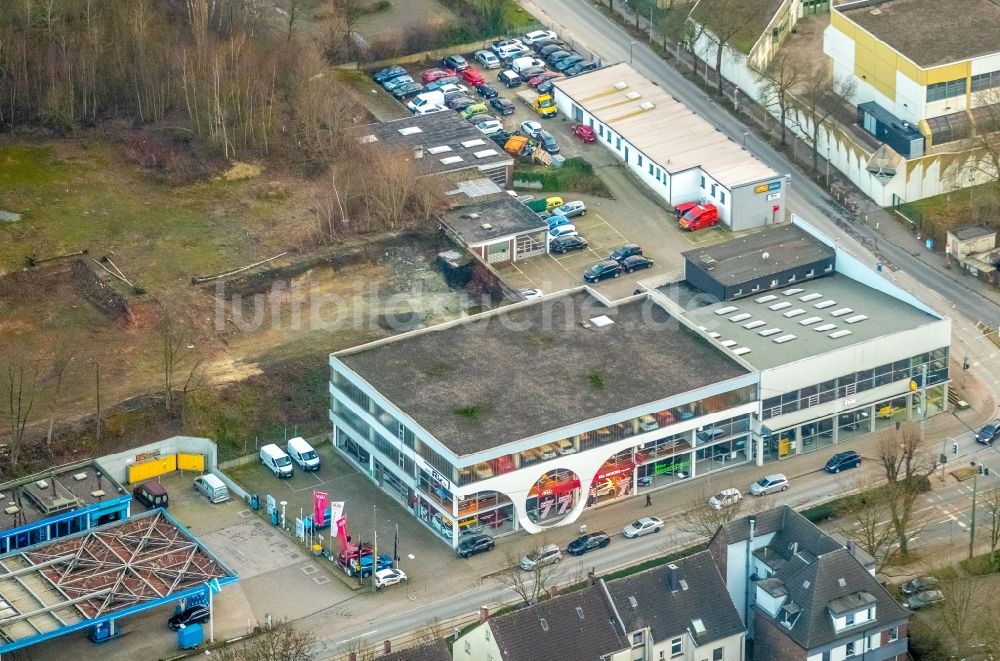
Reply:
x=319, y=507
x=342, y=532
x=336, y=510
x=271, y=504
x=300, y=529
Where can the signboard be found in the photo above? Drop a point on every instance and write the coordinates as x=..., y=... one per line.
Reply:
x=763, y=188
x=336, y=510
x=773, y=196
x=760, y=189
x=300, y=529
x=272, y=505
x=615, y=470
x=143, y=456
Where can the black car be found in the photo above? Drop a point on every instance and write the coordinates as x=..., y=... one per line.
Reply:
x=588, y=542
x=407, y=90
x=581, y=67
x=551, y=44
x=627, y=250
x=989, y=433
x=545, y=87
x=487, y=91
x=550, y=48
x=388, y=73
x=500, y=137
x=567, y=62
x=557, y=55
x=460, y=102
x=190, y=615
x=502, y=106
x=607, y=268
x=531, y=72
x=843, y=461
x=563, y=244
x=549, y=143
x=636, y=262
x=474, y=545
x=455, y=63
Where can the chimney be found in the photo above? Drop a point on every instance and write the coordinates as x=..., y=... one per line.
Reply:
x=484, y=614
x=795, y=548
x=673, y=578
x=850, y=546
x=353, y=656
x=386, y=647
x=418, y=151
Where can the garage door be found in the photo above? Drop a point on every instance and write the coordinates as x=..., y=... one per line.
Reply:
x=152, y=468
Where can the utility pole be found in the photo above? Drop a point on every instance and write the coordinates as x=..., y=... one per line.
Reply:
x=374, y=547
x=972, y=525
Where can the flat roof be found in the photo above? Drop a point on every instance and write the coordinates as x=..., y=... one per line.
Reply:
x=816, y=316
x=438, y=143
x=532, y=367
x=57, y=587
x=487, y=221
x=931, y=32
x=974, y=232
x=662, y=128
x=62, y=489
x=760, y=254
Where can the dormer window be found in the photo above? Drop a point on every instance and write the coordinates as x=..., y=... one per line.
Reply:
x=849, y=620
x=637, y=639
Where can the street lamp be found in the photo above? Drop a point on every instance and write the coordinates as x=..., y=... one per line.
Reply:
x=965, y=361
x=972, y=526
x=630, y=45
x=745, y=134
x=828, y=164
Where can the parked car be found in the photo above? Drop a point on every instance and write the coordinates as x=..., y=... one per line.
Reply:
x=407, y=90
x=699, y=217
x=536, y=36
x=566, y=446
x=475, y=545
x=460, y=103
x=635, y=263
x=498, y=46
x=512, y=51
x=989, y=433
x=542, y=43
x=546, y=87
x=530, y=295
x=565, y=63
x=487, y=59
x=562, y=230
x=428, y=110
x=522, y=64
x=588, y=542
x=393, y=83
x=473, y=110
x=430, y=75
x=606, y=268
x=502, y=106
x=920, y=584
x=548, y=141
x=924, y=599
x=581, y=67
x=489, y=126
x=532, y=129
x=643, y=526
x=571, y=209
x=557, y=221
x=725, y=498
x=585, y=133
x=152, y=495
x=684, y=207
x=769, y=484
x=487, y=91
x=211, y=487
x=531, y=72
x=363, y=566
x=842, y=461
x=472, y=76
x=509, y=78
x=627, y=250
x=547, y=50
x=557, y=55
x=387, y=577
x=547, y=555
x=188, y=616
x=455, y=62
x=564, y=244
x=535, y=81
x=388, y=73
x=452, y=88
x=442, y=82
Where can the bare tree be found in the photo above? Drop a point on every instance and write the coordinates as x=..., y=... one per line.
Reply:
x=865, y=515
x=784, y=74
x=984, y=161
x=60, y=363
x=703, y=520
x=817, y=100
x=992, y=505
x=195, y=380
x=959, y=613
x=172, y=342
x=905, y=466
x=528, y=585
x=19, y=384
x=281, y=642
x=722, y=21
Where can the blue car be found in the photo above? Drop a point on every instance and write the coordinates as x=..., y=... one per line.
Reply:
x=843, y=461
x=397, y=82
x=364, y=566
x=388, y=73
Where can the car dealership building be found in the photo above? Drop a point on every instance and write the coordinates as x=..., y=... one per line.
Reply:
x=522, y=417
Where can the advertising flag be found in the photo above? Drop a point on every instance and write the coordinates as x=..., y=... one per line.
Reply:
x=319, y=508
x=342, y=532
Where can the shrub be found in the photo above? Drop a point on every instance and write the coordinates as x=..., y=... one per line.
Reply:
x=576, y=174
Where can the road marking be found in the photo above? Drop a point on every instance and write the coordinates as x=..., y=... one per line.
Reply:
x=360, y=635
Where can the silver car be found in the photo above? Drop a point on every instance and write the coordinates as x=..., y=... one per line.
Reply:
x=544, y=556
x=643, y=526
x=769, y=484
x=571, y=209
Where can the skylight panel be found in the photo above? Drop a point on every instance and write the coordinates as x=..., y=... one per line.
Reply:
x=756, y=323
x=769, y=331
x=810, y=297
x=841, y=312
x=856, y=318
x=741, y=316
x=784, y=338
x=780, y=306
x=822, y=305
x=767, y=298
x=726, y=310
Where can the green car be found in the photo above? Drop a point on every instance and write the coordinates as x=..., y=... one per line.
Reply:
x=474, y=109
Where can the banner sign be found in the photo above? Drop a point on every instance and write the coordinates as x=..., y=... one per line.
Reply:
x=319, y=508
x=342, y=532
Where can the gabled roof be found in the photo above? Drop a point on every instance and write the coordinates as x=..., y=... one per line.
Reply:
x=646, y=600
x=436, y=650
x=789, y=525
x=579, y=625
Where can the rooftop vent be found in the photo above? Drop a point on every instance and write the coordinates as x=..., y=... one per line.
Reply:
x=856, y=318
x=780, y=306
x=473, y=143
x=707, y=260
x=841, y=582
x=621, y=85
x=410, y=130
x=486, y=153
x=632, y=94
x=42, y=484
x=822, y=305
x=726, y=310
x=757, y=323
x=841, y=312
x=806, y=584
x=602, y=321
x=12, y=510
x=795, y=313
x=451, y=160
x=810, y=320
x=740, y=317
x=632, y=602
x=741, y=351
x=440, y=149
x=841, y=333
x=98, y=493
x=79, y=477
x=792, y=291
x=768, y=332
x=810, y=297
x=647, y=105
x=825, y=327
x=579, y=612
x=783, y=339
x=365, y=139
x=728, y=343
x=767, y=298
x=486, y=226
x=418, y=152
x=544, y=623
x=714, y=335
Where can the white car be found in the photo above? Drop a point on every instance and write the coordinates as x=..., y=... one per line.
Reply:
x=643, y=526
x=512, y=51
x=530, y=295
x=428, y=110
x=452, y=87
x=384, y=577
x=538, y=35
x=531, y=129
x=490, y=126
x=725, y=498
x=487, y=59
x=563, y=230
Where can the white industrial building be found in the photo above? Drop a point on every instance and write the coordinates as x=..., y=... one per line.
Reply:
x=677, y=154
x=523, y=417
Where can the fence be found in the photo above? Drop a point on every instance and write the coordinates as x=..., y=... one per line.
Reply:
x=249, y=458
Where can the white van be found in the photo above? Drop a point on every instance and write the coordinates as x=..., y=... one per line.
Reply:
x=522, y=63
x=303, y=454
x=212, y=488
x=428, y=99
x=276, y=460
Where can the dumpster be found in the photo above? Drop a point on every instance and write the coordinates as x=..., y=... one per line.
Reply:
x=275, y=517
x=255, y=502
x=190, y=636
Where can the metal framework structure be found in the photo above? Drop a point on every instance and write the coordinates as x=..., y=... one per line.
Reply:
x=80, y=581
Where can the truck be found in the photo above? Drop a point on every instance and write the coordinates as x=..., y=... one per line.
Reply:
x=543, y=104
x=545, y=204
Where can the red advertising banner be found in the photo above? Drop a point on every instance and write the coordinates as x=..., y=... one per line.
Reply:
x=319, y=508
x=342, y=532
x=614, y=470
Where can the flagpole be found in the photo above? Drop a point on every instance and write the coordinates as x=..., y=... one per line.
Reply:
x=374, y=547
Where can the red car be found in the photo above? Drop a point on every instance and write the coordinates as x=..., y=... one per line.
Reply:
x=431, y=75
x=683, y=208
x=472, y=77
x=535, y=81
x=699, y=217
x=585, y=133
